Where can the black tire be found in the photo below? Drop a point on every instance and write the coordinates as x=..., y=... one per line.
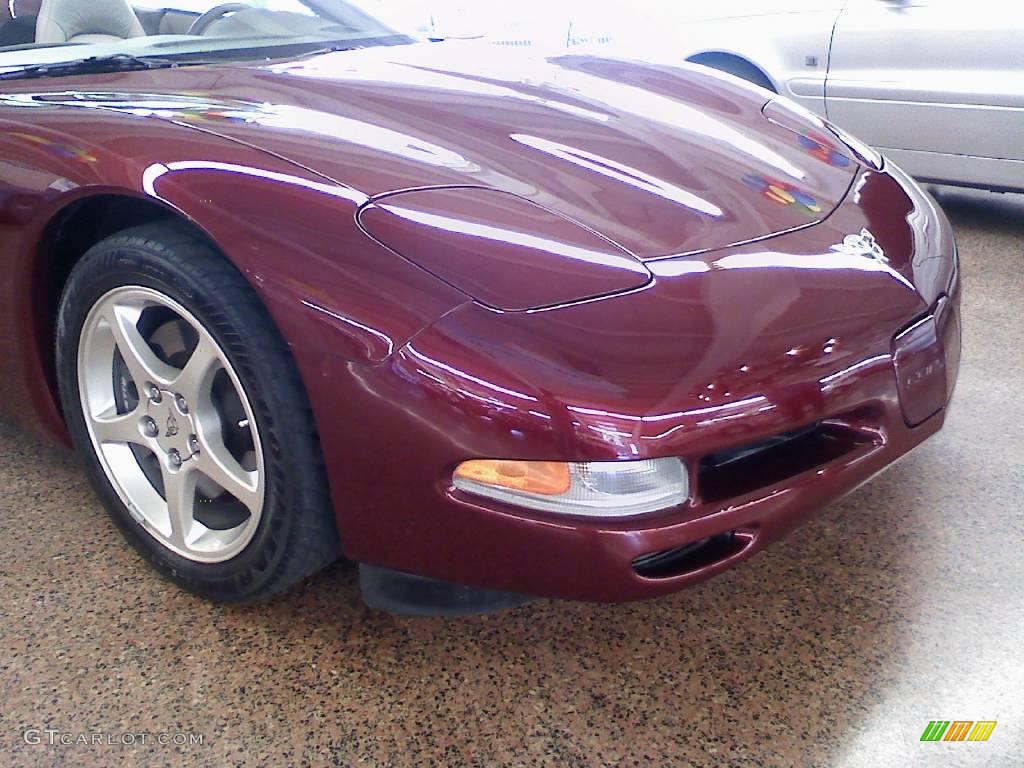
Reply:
x=734, y=66
x=296, y=535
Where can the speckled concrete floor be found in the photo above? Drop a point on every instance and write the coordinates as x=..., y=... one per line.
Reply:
x=901, y=604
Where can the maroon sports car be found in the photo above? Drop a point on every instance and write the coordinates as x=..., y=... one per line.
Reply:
x=297, y=286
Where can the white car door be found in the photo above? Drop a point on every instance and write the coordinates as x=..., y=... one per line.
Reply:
x=937, y=84
x=783, y=42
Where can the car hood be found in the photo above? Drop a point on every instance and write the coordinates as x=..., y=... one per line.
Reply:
x=661, y=160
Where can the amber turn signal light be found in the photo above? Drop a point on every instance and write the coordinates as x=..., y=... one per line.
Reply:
x=548, y=478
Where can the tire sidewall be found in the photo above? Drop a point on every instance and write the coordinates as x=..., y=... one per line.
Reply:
x=118, y=263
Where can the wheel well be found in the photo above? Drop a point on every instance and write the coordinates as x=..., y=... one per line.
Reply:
x=65, y=240
x=735, y=65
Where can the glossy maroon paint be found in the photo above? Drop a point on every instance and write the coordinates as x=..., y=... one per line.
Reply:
x=475, y=239
x=735, y=317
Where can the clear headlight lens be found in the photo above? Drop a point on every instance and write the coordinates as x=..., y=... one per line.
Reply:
x=594, y=488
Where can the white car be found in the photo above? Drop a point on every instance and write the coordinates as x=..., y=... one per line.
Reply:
x=537, y=24
x=937, y=85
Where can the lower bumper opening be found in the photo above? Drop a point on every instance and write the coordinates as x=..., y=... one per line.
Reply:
x=692, y=557
x=746, y=469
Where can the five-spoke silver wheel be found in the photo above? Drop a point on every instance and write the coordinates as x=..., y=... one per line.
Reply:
x=171, y=424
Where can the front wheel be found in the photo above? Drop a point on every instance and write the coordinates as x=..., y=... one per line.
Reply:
x=188, y=410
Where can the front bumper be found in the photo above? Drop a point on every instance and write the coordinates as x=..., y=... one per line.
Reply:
x=393, y=433
x=468, y=541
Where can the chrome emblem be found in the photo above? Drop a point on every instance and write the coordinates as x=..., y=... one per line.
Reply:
x=172, y=426
x=923, y=374
x=863, y=244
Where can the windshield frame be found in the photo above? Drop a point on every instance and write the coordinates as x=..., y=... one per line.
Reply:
x=186, y=49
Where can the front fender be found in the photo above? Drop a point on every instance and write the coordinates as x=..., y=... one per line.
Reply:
x=330, y=289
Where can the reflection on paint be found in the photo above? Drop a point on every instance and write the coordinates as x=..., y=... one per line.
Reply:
x=677, y=267
x=157, y=170
x=621, y=173
x=462, y=376
x=378, y=351
x=530, y=74
x=192, y=109
x=363, y=134
x=819, y=147
x=782, y=192
x=705, y=412
x=680, y=116
x=852, y=372
x=826, y=261
x=60, y=149
x=505, y=236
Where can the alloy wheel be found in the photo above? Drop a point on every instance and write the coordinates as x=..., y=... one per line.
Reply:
x=171, y=424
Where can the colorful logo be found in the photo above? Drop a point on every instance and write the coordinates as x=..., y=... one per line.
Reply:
x=958, y=730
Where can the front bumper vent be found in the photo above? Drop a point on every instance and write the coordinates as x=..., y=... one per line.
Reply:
x=751, y=467
x=692, y=557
